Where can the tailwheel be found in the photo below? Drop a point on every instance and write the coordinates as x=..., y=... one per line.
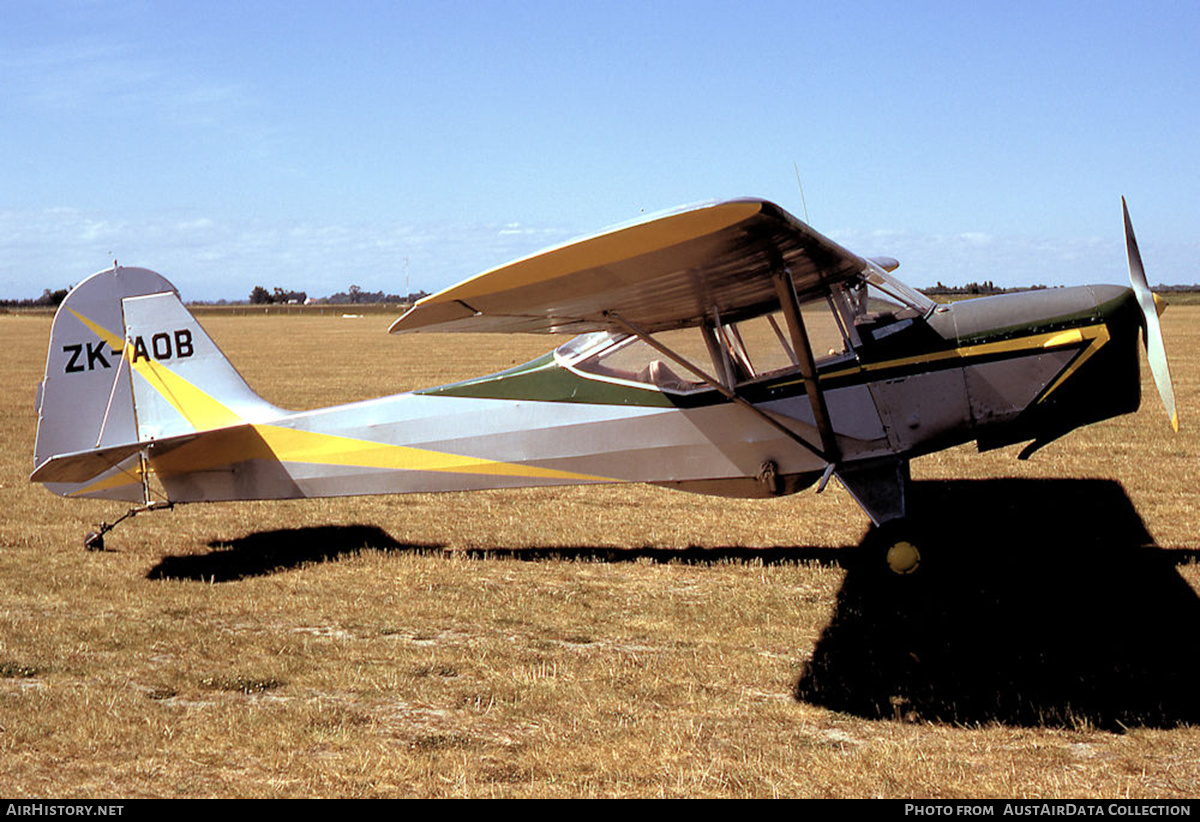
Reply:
x=94, y=540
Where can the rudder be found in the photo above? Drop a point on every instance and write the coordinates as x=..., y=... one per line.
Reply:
x=182, y=382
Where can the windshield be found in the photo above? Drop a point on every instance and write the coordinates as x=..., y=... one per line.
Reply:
x=573, y=348
x=884, y=287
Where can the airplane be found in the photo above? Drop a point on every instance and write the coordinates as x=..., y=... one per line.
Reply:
x=725, y=348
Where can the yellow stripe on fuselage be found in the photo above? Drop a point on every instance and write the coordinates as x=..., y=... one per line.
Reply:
x=226, y=447
x=291, y=445
x=1095, y=335
x=1095, y=341
x=222, y=448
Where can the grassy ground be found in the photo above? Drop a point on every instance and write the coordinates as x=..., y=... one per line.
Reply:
x=606, y=641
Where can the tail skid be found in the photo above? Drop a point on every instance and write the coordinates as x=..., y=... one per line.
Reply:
x=128, y=366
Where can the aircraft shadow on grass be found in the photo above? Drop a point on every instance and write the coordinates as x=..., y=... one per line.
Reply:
x=267, y=552
x=1038, y=602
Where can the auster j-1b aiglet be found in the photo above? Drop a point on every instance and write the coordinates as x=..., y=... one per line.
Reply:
x=726, y=349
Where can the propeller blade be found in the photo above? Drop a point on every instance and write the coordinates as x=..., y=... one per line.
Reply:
x=1156, y=352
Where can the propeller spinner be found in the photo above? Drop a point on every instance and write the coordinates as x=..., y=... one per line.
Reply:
x=1156, y=352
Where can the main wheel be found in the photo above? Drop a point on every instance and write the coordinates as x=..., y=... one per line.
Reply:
x=903, y=557
x=895, y=545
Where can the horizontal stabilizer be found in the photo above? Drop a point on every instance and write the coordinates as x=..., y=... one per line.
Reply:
x=82, y=466
x=85, y=466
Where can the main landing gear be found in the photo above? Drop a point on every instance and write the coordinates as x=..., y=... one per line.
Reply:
x=881, y=488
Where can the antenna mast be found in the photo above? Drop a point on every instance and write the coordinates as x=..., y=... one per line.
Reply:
x=801, y=186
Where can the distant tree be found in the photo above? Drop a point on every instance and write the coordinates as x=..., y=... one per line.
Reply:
x=284, y=297
x=49, y=299
x=260, y=295
x=358, y=296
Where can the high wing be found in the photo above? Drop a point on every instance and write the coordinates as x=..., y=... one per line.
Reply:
x=669, y=271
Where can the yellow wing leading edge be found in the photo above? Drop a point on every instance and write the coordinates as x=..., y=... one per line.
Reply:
x=668, y=271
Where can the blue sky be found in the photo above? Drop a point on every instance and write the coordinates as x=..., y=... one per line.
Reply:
x=317, y=145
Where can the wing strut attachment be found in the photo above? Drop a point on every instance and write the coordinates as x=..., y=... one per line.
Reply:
x=725, y=391
x=808, y=365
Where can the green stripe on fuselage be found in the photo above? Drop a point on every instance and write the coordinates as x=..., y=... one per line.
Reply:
x=544, y=380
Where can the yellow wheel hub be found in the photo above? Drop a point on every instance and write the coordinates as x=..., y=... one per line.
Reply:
x=903, y=557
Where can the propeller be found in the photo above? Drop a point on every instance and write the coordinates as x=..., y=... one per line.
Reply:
x=1156, y=352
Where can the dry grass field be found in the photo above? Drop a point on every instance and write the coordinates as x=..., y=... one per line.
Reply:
x=625, y=641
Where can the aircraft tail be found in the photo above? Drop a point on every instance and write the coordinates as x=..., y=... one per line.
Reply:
x=129, y=365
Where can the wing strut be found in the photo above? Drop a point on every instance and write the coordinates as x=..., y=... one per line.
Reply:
x=808, y=365
x=725, y=391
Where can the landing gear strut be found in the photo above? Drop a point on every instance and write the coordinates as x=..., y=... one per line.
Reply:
x=881, y=488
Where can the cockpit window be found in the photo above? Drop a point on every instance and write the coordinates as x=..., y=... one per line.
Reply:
x=631, y=359
x=763, y=345
x=849, y=315
x=734, y=353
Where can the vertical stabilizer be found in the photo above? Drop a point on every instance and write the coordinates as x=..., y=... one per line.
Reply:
x=85, y=400
x=128, y=364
